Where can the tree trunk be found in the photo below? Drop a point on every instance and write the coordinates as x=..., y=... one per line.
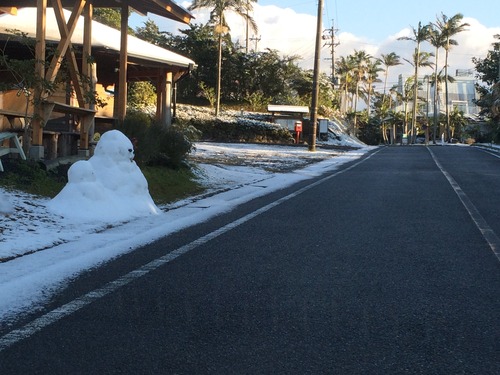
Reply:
x=435, y=99
x=219, y=73
x=447, y=94
x=415, y=95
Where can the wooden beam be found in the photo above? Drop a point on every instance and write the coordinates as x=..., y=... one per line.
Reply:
x=63, y=48
x=9, y=10
x=174, y=9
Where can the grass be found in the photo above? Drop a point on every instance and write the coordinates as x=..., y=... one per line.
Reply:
x=30, y=177
x=165, y=185
x=169, y=185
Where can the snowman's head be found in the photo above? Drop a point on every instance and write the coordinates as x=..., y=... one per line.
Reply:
x=116, y=146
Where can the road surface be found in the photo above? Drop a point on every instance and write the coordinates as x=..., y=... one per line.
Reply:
x=387, y=266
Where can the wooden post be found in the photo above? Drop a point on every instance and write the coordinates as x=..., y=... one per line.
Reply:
x=167, y=102
x=160, y=94
x=87, y=72
x=36, y=151
x=122, y=77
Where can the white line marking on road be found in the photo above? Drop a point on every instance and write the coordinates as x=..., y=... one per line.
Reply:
x=59, y=313
x=488, y=234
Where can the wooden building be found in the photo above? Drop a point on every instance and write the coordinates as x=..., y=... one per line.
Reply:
x=102, y=55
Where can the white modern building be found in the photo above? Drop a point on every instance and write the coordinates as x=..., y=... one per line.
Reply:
x=461, y=94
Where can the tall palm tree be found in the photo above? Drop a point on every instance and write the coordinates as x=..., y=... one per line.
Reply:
x=437, y=39
x=219, y=7
x=420, y=34
x=437, y=83
x=391, y=59
x=423, y=61
x=372, y=70
x=449, y=27
x=361, y=60
x=345, y=67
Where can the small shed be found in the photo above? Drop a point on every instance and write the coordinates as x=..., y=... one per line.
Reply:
x=287, y=115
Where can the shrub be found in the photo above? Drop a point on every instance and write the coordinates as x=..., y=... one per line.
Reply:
x=32, y=177
x=166, y=147
x=155, y=145
x=470, y=141
x=241, y=130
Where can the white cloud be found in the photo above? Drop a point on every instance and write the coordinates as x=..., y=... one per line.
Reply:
x=292, y=33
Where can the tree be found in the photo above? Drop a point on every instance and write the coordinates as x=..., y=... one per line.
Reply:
x=391, y=59
x=372, y=70
x=110, y=17
x=151, y=33
x=219, y=7
x=420, y=34
x=361, y=60
x=437, y=39
x=449, y=27
x=437, y=83
x=345, y=69
x=488, y=71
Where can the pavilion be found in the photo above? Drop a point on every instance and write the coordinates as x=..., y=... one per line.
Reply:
x=107, y=57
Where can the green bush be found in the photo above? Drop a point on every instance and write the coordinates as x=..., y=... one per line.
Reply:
x=156, y=145
x=166, y=147
x=241, y=130
x=32, y=177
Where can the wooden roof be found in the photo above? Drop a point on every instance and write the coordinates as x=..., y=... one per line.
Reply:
x=164, y=8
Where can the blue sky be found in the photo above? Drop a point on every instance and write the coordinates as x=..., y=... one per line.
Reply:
x=377, y=19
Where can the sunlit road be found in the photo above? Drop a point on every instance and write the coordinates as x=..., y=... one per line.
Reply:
x=389, y=267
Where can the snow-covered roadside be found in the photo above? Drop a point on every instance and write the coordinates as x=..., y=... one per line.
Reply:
x=75, y=246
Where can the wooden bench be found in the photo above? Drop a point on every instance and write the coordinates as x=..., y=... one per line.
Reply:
x=12, y=115
x=86, y=115
x=4, y=150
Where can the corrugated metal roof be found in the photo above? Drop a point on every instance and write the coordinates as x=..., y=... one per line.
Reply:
x=102, y=36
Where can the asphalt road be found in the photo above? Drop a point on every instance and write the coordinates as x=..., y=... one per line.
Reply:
x=380, y=269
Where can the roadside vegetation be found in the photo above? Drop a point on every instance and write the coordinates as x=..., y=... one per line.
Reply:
x=254, y=79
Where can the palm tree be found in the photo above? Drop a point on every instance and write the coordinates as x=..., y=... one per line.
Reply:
x=438, y=41
x=345, y=68
x=372, y=70
x=361, y=60
x=437, y=83
x=423, y=61
x=391, y=59
x=419, y=35
x=449, y=27
x=219, y=7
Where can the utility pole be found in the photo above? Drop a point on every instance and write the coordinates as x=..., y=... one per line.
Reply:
x=315, y=93
x=332, y=43
x=256, y=40
x=246, y=47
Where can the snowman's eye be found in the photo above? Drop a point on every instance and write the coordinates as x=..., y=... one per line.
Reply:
x=130, y=150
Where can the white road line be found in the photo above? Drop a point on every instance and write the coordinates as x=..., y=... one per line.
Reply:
x=59, y=313
x=488, y=234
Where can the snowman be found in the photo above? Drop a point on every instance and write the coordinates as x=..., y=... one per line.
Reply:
x=109, y=186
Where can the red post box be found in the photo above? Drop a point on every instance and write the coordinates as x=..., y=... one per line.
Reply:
x=298, y=126
x=298, y=130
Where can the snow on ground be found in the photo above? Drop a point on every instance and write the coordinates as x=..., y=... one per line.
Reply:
x=43, y=244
